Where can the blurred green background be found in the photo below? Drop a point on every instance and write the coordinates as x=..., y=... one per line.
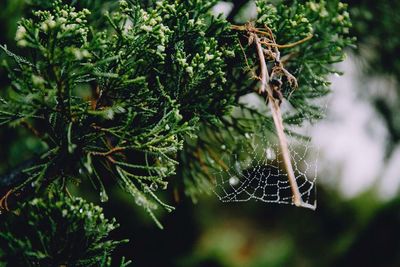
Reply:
x=357, y=222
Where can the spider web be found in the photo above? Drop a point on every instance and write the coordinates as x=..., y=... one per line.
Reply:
x=254, y=170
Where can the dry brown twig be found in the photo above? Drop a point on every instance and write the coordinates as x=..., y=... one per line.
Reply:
x=266, y=46
x=108, y=153
x=4, y=201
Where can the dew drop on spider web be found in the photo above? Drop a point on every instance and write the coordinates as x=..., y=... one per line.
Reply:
x=233, y=181
x=270, y=153
x=254, y=170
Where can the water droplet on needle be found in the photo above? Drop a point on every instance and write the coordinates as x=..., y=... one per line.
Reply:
x=103, y=196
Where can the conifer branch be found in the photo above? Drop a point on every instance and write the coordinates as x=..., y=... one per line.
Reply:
x=167, y=72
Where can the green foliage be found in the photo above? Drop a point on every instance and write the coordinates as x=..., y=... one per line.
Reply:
x=376, y=27
x=57, y=230
x=139, y=90
x=137, y=95
x=310, y=62
x=374, y=23
x=159, y=85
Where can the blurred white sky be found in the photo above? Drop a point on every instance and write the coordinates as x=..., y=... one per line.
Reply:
x=352, y=139
x=223, y=7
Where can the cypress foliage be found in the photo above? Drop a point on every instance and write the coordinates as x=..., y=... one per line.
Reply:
x=57, y=230
x=146, y=92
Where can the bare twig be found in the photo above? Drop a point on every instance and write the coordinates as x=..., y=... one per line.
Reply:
x=30, y=127
x=247, y=62
x=108, y=153
x=267, y=89
x=203, y=166
x=277, y=117
x=288, y=45
x=269, y=33
x=215, y=157
x=4, y=201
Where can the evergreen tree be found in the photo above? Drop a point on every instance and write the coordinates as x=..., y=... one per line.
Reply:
x=143, y=93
